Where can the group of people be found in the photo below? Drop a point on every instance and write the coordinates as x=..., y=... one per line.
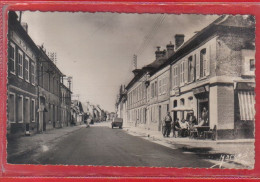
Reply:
x=183, y=127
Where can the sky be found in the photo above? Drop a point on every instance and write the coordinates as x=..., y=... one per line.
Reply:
x=97, y=49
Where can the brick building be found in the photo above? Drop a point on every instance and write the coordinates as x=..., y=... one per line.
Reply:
x=22, y=82
x=35, y=101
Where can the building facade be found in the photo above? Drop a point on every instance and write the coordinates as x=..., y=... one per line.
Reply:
x=49, y=90
x=37, y=100
x=22, y=82
x=207, y=72
x=65, y=104
x=211, y=74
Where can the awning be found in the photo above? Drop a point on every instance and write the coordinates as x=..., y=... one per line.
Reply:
x=246, y=105
x=182, y=108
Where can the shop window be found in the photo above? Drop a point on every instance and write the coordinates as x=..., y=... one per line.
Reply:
x=20, y=109
x=12, y=58
x=11, y=108
x=252, y=64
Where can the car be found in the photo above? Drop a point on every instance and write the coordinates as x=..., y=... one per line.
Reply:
x=117, y=122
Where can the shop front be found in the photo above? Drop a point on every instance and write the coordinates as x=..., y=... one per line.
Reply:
x=244, y=109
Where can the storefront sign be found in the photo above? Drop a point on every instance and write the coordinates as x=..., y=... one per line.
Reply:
x=199, y=90
x=245, y=86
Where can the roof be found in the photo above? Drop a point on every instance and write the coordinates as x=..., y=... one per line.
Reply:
x=13, y=18
x=227, y=21
x=238, y=21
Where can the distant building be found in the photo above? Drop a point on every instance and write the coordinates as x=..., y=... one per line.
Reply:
x=65, y=104
x=77, y=113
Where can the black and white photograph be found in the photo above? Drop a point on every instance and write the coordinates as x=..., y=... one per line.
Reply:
x=131, y=90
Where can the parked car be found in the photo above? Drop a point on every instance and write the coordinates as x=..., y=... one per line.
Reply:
x=117, y=122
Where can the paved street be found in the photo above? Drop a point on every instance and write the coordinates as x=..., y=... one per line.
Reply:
x=101, y=145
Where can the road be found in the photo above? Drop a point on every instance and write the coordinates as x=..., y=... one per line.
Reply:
x=110, y=147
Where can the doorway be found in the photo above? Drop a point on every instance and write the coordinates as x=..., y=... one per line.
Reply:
x=160, y=118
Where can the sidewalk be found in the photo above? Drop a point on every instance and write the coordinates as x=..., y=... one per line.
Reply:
x=19, y=146
x=239, y=152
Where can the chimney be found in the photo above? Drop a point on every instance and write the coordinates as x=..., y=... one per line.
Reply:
x=159, y=53
x=170, y=49
x=179, y=39
x=25, y=26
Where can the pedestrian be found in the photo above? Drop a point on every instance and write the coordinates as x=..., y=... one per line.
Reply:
x=184, y=128
x=88, y=122
x=176, y=127
x=167, y=122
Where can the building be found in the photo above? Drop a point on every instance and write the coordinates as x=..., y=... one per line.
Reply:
x=77, y=113
x=158, y=91
x=215, y=70
x=211, y=74
x=22, y=80
x=37, y=100
x=121, y=109
x=49, y=90
x=65, y=104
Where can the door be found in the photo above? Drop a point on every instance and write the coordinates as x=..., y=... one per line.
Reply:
x=160, y=118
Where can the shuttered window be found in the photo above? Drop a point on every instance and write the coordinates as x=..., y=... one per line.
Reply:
x=12, y=58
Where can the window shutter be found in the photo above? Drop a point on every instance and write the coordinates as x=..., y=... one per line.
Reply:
x=197, y=60
x=208, y=53
x=185, y=70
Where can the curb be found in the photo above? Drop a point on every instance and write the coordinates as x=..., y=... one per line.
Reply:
x=187, y=143
x=17, y=154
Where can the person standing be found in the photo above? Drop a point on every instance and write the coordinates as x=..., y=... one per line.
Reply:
x=167, y=122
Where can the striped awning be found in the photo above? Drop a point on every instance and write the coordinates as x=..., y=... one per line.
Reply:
x=246, y=105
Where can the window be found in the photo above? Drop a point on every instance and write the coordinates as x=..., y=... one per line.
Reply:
x=182, y=103
x=20, y=64
x=182, y=72
x=26, y=113
x=175, y=77
x=190, y=69
x=33, y=73
x=203, y=63
x=160, y=87
x=155, y=88
x=252, y=64
x=11, y=108
x=152, y=90
x=20, y=108
x=175, y=103
x=33, y=110
x=26, y=68
x=12, y=58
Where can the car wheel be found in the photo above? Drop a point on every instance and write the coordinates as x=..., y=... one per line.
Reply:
x=112, y=126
